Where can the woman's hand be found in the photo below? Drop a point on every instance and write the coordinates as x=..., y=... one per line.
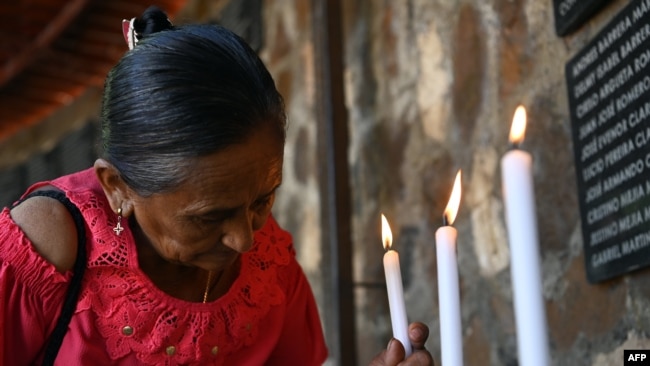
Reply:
x=393, y=355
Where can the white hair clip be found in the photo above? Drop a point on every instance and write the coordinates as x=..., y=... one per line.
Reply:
x=130, y=35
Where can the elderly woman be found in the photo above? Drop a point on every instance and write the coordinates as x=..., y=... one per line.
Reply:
x=165, y=252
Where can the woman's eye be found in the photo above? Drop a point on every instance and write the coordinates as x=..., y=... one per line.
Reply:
x=207, y=220
x=263, y=203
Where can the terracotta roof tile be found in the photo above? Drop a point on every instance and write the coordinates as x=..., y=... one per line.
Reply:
x=52, y=50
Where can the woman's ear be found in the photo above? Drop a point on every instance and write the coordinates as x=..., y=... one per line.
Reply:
x=117, y=192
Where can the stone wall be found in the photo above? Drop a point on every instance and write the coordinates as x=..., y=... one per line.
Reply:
x=431, y=88
x=61, y=144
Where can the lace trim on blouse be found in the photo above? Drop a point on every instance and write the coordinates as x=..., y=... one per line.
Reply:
x=136, y=317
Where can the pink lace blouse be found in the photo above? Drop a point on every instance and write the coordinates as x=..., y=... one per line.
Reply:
x=268, y=317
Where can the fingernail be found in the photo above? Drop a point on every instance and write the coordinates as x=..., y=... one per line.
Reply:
x=416, y=333
x=390, y=343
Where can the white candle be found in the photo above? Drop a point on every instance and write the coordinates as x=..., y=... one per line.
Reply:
x=451, y=338
x=516, y=169
x=394, y=288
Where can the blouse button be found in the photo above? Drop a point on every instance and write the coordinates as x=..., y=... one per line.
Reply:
x=215, y=350
x=171, y=350
x=127, y=330
x=248, y=327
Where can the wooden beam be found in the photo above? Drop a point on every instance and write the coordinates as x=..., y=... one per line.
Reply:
x=47, y=35
x=334, y=181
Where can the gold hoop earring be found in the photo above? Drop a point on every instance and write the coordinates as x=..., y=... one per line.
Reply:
x=118, y=228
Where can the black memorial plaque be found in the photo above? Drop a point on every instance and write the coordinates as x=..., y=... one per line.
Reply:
x=571, y=14
x=608, y=85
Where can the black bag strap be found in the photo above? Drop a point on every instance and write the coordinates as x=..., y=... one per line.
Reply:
x=72, y=294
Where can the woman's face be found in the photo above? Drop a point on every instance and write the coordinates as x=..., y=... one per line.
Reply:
x=210, y=219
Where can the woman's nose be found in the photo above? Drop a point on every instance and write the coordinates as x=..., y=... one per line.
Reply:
x=238, y=234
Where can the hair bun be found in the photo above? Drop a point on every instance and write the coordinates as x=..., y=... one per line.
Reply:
x=151, y=21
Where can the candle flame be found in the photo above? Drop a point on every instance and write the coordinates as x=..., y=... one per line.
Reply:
x=454, y=202
x=518, y=128
x=387, y=235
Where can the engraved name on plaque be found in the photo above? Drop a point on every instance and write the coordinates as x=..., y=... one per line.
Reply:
x=608, y=85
